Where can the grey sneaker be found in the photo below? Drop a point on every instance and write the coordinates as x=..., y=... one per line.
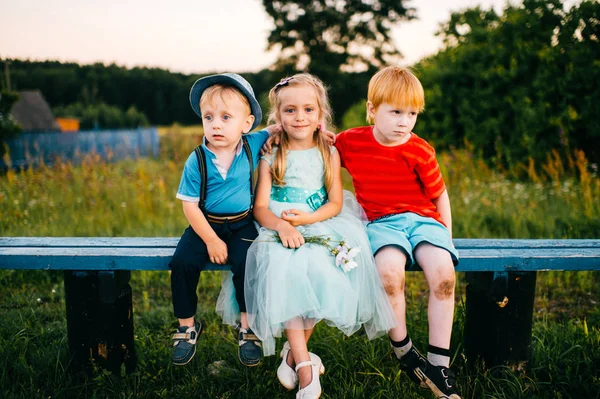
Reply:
x=185, y=343
x=249, y=349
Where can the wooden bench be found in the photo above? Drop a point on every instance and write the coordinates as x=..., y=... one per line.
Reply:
x=501, y=277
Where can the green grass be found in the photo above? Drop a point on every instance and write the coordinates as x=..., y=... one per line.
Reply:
x=34, y=358
x=137, y=198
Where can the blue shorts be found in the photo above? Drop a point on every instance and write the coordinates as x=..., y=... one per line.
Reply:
x=406, y=231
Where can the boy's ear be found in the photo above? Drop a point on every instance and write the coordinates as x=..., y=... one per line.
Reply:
x=370, y=110
x=248, y=124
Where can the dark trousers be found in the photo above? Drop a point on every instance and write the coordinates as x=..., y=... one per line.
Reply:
x=191, y=257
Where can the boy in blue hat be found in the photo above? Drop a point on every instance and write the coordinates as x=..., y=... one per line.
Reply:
x=217, y=191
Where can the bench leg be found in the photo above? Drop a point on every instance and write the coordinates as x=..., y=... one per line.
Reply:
x=499, y=318
x=100, y=320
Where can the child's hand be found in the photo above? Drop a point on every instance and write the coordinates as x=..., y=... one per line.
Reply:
x=329, y=136
x=290, y=237
x=217, y=251
x=296, y=217
x=275, y=136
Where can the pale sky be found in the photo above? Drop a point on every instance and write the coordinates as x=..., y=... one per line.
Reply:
x=189, y=36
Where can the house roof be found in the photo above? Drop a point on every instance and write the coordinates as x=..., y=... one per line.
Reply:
x=33, y=112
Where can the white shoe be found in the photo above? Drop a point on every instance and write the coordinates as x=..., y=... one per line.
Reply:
x=312, y=390
x=286, y=375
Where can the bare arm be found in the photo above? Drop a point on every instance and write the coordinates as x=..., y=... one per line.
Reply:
x=262, y=214
x=217, y=249
x=442, y=203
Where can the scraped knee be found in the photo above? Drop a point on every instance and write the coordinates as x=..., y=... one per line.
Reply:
x=445, y=289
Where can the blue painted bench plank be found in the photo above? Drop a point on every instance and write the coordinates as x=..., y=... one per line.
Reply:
x=122, y=253
x=171, y=242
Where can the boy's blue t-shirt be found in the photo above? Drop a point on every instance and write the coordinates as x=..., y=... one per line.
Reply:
x=229, y=195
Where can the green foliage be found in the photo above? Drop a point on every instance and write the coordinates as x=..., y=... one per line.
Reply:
x=8, y=126
x=555, y=204
x=137, y=197
x=157, y=93
x=77, y=201
x=355, y=116
x=34, y=351
x=323, y=36
x=102, y=116
x=516, y=85
x=162, y=96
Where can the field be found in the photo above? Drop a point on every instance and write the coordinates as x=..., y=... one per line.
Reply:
x=137, y=198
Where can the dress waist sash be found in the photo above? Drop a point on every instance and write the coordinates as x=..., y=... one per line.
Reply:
x=314, y=198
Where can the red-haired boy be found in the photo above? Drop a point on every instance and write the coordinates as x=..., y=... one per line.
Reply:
x=397, y=181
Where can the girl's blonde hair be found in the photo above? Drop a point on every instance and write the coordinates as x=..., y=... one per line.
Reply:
x=397, y=86
x=279, y=163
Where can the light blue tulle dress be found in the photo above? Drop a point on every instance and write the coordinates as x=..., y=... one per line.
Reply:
x=297, y=288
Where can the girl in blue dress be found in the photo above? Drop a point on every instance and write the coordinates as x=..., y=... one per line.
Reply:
x=293, y=282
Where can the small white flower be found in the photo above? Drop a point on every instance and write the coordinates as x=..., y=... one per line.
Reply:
x=344, y=256
x=353, y=252
x=341, y=258
x=349, y=265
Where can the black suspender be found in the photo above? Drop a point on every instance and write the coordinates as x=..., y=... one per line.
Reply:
x=202, y=168
x=252, y=174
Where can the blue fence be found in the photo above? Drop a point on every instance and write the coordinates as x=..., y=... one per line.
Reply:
x=29, y=149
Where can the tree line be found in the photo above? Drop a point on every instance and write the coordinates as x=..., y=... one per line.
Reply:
x=511, y=85
x=517, y=84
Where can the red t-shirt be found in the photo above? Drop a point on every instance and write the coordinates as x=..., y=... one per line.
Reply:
x=391, y=180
